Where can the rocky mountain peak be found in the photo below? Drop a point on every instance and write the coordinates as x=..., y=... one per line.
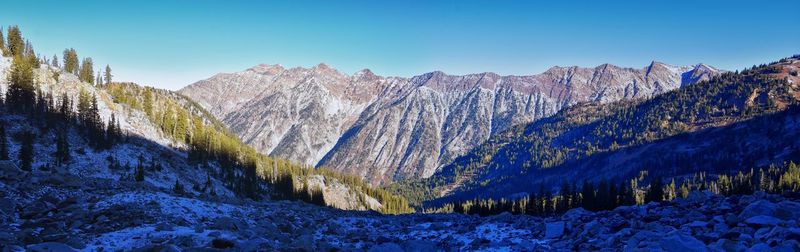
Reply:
x=266, y=69
x=385, y=129
x=365, y=74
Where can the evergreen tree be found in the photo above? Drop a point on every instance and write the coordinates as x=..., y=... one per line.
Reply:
x=98, y=80
x=139, y=176
x=108, y=74
x=54, y=61
x=65, y=108
x=178, y=188
x=147, y=104
x=30, y=55
x=587, y=192
x=62, y=149
x=86, y=73
x=71, y=61
x=182, y=125
x=26, y=151
x=655, y=192
x=3, y=143
x=2, y=43
x=16, y=45
x=21, y=95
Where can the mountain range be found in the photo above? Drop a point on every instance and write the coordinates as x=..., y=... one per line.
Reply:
x=732, y=122
x=388, y=129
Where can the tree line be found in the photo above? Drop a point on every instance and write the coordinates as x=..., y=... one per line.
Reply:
x=607, y=195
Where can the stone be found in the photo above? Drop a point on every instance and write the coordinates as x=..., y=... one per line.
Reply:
x=698, y=224
x=759, y=247
x=419, y=246
x=760, y=207
x=220, y=243
x=228, y=223
x=50, y=247
x=576, y=213
x=697, y=197
x=386, y=247
x=7, y=205
x=728, y=246
x=554, y=229
x=762, y=233
x=788, y=246
x=305, y=242
x=13, y=248
x=164, y=226
x=677, y=242
x=762, y=220
x=788, y=210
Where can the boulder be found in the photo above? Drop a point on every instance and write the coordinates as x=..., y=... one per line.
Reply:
x=788, y=210
x=228, y=223
x=728, y=245
x=697, y=197
x=10, y=171
x=220, y=243
x=50, y=247
x=762, y=221
x=761, y=207
x=554, y=230
x=698, y=224
x=678, y=242
x=419, y=246
x=575, y=213
x=386, y=247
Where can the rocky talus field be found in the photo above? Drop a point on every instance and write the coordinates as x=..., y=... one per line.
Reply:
x=60, y=211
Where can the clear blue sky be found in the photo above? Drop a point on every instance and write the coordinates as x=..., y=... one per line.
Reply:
x=171, y=44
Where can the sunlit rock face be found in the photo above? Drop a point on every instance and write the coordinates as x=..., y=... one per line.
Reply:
x=390, y=128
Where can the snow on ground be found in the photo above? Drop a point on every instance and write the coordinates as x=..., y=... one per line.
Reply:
x=136, y=237
x=191, y=210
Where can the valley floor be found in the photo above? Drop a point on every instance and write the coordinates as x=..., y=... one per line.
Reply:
x=57, y=211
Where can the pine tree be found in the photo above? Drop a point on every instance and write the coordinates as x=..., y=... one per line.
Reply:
x=54, y=61
x=655, y=192
x=87, y=71
x=65, y=108
x=21, y=95
x=71, y=61
x=139, y=176
x=3, y=143
x=62, y=149
x=98, y=80
x=587, y=192
x=182, y=125
x=16, y=44
x=147, y=104
x=2, y=43
x=26, y=151
x=108, y=74
x=30, y=55
x=178, y=188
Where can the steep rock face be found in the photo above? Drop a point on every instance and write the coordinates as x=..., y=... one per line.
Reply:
x=387, y=129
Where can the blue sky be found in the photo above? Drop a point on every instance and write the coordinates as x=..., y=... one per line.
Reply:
x=170, y=44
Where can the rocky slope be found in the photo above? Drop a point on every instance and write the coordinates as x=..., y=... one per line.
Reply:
x=387, y=128
x=56, y=211
x=145, y=140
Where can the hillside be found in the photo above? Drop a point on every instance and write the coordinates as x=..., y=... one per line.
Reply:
x=736, y=121
x=387, y=129
x=128, y=133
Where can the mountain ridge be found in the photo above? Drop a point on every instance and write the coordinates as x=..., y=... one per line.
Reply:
x=304, y=114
